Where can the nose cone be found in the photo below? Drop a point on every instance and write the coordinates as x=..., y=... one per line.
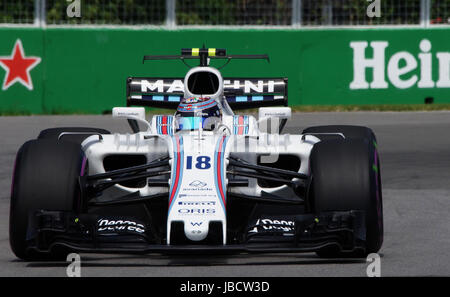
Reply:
x=196, y=230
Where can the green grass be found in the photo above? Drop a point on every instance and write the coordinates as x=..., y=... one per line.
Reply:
x=298, y=108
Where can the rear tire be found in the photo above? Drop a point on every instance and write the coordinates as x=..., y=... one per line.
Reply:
x=45, y=177
x=54, y=133
x=346, y=176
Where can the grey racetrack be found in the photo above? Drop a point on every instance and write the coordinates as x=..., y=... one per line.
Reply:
x=415, y=155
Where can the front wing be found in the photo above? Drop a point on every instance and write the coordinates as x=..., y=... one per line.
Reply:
x=50, y=230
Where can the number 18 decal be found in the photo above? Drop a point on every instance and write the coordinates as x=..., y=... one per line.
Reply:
x=202, y=162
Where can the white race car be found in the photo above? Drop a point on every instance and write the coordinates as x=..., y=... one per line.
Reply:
x=200, y=180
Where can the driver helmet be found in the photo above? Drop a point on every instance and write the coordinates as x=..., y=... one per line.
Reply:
x=196, y=112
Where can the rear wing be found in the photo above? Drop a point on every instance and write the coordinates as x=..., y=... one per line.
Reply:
x=240, y=93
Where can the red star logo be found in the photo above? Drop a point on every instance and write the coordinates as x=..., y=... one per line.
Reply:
x=18, y=67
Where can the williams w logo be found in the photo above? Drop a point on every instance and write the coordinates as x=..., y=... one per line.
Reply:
x=196, y=223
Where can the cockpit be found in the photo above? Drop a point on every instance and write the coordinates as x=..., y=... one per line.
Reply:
x=195, y=113
x=201, y=107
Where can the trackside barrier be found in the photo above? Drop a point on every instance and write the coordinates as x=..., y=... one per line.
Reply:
x=84, y=70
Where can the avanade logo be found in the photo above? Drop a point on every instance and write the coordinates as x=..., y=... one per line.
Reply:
x=399, y=66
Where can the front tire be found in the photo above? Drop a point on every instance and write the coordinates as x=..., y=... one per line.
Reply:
x=345, y=176
x=45, y=177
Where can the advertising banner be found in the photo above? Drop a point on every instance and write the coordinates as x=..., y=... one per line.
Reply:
x=84, y=70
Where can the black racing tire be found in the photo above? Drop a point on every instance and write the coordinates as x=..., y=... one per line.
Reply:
x=45, y=177
x=345, y=176
x=53, y=133
x=349, y=132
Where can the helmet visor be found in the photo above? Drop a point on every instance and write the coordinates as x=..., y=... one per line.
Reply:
x=189, y=123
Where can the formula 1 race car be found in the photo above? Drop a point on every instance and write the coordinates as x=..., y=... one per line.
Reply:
x=203, y=180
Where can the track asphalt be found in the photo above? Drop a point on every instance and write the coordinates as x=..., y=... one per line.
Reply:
x=414, y=149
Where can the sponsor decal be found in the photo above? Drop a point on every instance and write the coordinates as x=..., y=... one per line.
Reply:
x=161, y=86
x=195, y=99
x=196, y=195
x=198, y=184
x=196, y=106
x=251, y=86
x=197, y=189
x=403, y=69
x=196, y=211
x=275, y=225
x=194, y=203
x=245, y=85
x=18, y=67
x=115, y=226
x=241, y=124
x=164, y=125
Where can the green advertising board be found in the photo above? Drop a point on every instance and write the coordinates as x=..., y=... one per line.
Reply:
x=83, y=70
x=21, y=71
